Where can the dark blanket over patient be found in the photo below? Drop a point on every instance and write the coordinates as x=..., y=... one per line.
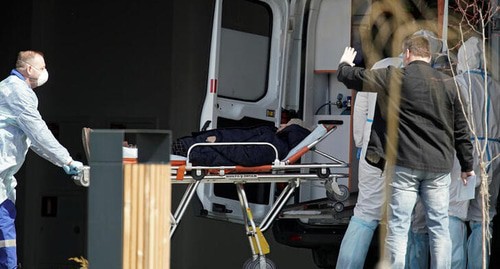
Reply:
x=245, y=155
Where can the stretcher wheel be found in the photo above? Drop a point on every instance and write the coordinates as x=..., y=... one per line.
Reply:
x=323, y=172
x=247, y=263
x=255, y=264
x=338, y=207
x=333, y=196
x=345, y=193
x=198, y=174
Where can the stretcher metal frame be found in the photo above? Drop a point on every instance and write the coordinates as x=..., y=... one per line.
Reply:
x=279, y=172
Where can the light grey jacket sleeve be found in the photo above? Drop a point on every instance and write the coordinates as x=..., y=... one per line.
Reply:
x=42, y=140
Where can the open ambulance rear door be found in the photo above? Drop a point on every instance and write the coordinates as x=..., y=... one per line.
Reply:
x=268, y=58
x=244, y=88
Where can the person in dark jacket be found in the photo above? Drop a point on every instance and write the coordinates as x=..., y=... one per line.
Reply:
x=284, y=139
x=430, y=127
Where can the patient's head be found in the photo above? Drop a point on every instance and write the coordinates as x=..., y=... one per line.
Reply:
x=293, y=132
x=296, y=121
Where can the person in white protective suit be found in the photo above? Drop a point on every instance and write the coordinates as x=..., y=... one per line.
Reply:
x=22, y=127
x=471, y=79
x=371, y=184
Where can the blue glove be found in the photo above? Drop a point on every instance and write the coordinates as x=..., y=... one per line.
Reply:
x=73, y=168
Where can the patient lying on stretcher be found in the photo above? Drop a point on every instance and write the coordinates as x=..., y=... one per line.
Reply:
x=284, y=139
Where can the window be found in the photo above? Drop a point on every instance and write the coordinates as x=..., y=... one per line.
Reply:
x=244, y=50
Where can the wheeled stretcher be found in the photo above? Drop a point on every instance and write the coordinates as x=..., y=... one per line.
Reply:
x=287, y=171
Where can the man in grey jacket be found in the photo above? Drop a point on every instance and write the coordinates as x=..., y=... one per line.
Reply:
x=431, y=126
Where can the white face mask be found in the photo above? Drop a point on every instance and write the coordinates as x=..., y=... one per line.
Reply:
x=42, y=78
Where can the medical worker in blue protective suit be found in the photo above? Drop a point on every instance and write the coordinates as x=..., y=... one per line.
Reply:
x=371, y=184
x=471, y=79
x=22, y=127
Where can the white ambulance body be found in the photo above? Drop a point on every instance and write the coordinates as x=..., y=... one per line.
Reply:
x=272, y=56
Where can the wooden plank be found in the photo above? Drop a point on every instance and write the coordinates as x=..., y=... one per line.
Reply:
x=133, y=217
x=147, y=198
x=127, y=204
x=140, y=220
x=147, y=221
x=167, y=195
x=151, y=216
x=164, y=221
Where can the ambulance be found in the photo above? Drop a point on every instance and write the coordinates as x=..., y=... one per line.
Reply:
x=271, y=60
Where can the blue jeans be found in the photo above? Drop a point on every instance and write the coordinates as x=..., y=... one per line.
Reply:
x=458, y=234
x=417, y=253
x=418, y=250
x=355, y=243
x=433, y=189
x=474, y=246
